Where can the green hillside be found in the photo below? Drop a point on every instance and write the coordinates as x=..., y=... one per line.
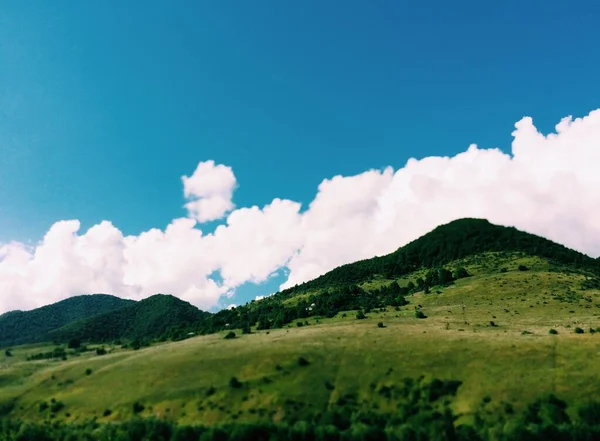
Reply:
x=17, y=327
x=493, y=337
x=148, y=319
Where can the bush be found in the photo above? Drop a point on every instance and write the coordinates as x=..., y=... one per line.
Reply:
x=246, y=330
x=100, y=351
x=74, y=343
x=523, y=268
x=88, y=371
x=234, y=383
x=56, y=406
x=43, y=406
x=8, y=353
x=360, y=315
x=138, y=407
x=299, y=324
x=107, y=413
x=420, y=314
x=210, y=391
x=303, y=362
x=552, y=332
x=380, y=325
x=230, y=335
x=578, y=330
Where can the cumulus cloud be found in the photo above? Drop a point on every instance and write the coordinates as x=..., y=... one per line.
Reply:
x=547, y=185
x=209, y=191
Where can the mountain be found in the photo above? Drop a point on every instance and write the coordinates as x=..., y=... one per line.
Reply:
x=17, y=327
x=147, y=319
x=446, y=243
x=344, y=288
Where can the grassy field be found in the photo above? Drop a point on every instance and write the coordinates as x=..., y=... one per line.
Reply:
x=512, y=360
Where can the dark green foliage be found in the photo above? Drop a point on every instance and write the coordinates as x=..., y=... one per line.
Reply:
x=420, y=314
x=380, y=325
x=56, y=406
x=461, y=273
x=234, y=383
x=246, y=330
x=150, y=318
x=58, y=352
x=523, y=268
x=88, y=371
x=74, y=343
x=553, y=331
x=210, y=391
x=100, y=351
x=578, y=330
x=8, y=353
x=18, y=327
x=107, y=413
x=43, y=406
x=303, y=361
x=138, y=407
x=360, y=315
x=230, y=335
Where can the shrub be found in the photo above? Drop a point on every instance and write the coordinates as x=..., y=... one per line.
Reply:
x=302, y=361
x=420, y=314
x=246, y=330
x=523, y=268
x=107, y=413
x=210, y=391
x=299, y=324
x=552, y=332
x=493, y=324
x=43, y=406
x=360, y=315
x=57, y=406
x=578, y=330
x=230, y=335
x=592, y=331
x=74, y=343
x=8, y=353
x=88, y=371
x=329, y=386
x=380, y=325
x=100, y=351
x=234, y=383
x=138, y=407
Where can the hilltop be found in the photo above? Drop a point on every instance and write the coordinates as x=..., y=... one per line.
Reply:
x=147, y=319
x=17, y=327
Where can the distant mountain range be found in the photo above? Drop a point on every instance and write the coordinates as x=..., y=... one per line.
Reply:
x=105, y=318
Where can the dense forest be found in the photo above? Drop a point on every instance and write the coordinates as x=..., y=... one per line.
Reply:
x=147, y=319
x=18, y=327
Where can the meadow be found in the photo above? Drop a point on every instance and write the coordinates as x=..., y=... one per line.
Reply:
x=490, y=332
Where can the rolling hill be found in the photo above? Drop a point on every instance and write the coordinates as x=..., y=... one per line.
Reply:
x=18, y=327
x=147, y=319
x=479, y=324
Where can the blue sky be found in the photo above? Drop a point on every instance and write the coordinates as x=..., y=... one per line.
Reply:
x=105, y=105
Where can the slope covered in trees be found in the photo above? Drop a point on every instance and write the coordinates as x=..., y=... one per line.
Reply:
x=150, y=318
x=449, y=242
x=18, y=327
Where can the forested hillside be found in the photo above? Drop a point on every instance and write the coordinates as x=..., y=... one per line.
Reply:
x=150, y=318
x=18, y=327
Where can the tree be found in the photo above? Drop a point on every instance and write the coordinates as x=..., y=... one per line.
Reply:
x=360, y=315
x=74, y=343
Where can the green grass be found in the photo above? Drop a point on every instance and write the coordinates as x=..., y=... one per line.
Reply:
x=345, y=355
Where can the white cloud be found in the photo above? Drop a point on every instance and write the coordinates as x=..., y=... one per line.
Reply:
x=209, y=191
x=548, y=186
